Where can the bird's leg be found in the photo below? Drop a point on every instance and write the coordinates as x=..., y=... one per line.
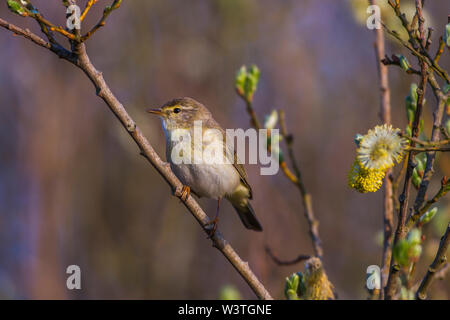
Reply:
x=212, y=225
x=184, y=193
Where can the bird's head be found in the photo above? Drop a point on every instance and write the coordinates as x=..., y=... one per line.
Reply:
x=181, y=113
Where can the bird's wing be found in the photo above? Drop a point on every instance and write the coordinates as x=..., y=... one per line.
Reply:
x=238, y=166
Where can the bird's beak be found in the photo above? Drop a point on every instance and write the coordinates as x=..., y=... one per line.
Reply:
x=157, y=111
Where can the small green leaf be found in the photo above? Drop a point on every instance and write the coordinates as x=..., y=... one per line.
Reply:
x=246, y=81
x=428, y=216
x=408, y=131
x=416, y=179
x=17, y=8
x=241, y=75
x=357, y=139
x=294, y=286
x=404, y=63
x=414, y=237
x=271, y=120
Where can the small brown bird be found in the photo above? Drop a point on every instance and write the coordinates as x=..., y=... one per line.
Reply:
x=212, y=180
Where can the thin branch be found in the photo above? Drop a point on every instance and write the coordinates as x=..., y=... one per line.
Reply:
x=438, y=115
x=106, y=12
x=416, y=43
x=103, y=91
x=428, y=149
x=280, y=262
x=443, y=190
x=394, y=60
x=416, y=53
x=26, y=33
x=401, y=231
x=440, y=50
x=385, y=114
x=295, y=178
x=89, y=5
x=426, y=143
x=439, y=261
x=444, y=133
x=313, y=224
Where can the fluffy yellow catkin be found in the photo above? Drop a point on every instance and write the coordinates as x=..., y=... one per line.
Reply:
x=365, y=180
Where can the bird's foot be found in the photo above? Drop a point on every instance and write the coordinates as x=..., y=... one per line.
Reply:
x=211, y=227
x=184, y=193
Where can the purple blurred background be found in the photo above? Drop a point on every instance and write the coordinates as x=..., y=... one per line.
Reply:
x=74, y=190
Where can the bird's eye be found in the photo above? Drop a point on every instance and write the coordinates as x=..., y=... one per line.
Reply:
x=176, y=110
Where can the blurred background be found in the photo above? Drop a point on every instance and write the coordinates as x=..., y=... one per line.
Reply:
x=74, y=189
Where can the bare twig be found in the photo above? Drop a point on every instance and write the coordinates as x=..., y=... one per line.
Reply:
x=295, y=178
x=106, y=12
x=89, y=5
x=401, y=231
x=437, y=121
x=385, y=114
x=428, y=149
x=438, y=262
x=421, y=57
x=55, y=48
x=426, y=143
x=306, y=196
x=394, y=60
x=443, y=190
x=280, y=262
x=80, y=58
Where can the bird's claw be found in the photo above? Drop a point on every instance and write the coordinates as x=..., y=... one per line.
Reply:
x=184, y=193
x=211, y=228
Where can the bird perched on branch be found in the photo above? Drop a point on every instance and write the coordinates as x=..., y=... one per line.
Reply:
x=204, y=176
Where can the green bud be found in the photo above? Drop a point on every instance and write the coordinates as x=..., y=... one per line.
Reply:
x=416, y=179
x=447, y=126
x=252, y=81
x=404, y=63
x=428, y=216
x=400, y=252
x=17, y=8
x=246, y=81
x=415, y=251
x=420, y=165
x=229, y=292
x=291, y=287
x=271, y=120
x=239, y=81
x=406, y=294
x=414, y=237
x=410, y=113
x=413, y=92
x=358, y=138
x=408, y=131
x=447, y=35
x=446, y=89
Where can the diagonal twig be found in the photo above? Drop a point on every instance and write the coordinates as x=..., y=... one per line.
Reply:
x=438, y=263
x=385, y=114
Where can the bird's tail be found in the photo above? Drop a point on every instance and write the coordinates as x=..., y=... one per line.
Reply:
x=240, y=202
